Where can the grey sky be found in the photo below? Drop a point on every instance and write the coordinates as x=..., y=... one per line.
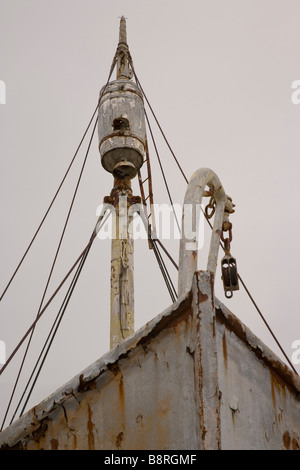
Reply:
x=219, y=76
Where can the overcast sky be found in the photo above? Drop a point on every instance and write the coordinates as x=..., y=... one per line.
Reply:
x=219, y=76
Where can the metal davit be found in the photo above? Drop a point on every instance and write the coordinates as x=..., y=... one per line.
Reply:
x=222, y=207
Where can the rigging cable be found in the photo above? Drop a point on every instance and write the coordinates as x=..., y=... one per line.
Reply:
x=94, y=234
x=81, y=259
x=50, y=339
x=60, y=185
x=157, y=122
x=167, y=253
x=64, y=228
x=164, y=271
x=56, y=322
x=53, y=265
x=172, y=288
x=48, y=210
x=185, y=178
x=162, y=171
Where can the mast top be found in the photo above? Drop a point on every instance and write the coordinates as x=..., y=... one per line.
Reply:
x=123, y=56
x=122, y=31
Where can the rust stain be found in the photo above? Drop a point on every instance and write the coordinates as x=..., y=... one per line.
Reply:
x=279, y=383
x=74, y=442
x=54, y=444
x=163, y=407
x=157, y=420
x=273, y=394
x=278, y=388
x=204, y=431
x=90, y=428
x=200, y=380
x=139, y=419
x=18, y=446
x=114, y=368
x=224, y=343
x=182, y=314
x=290, y=441
x=121, y=392
x=283, y=375
x=119, y=440
x=202, y=297
x=187, y=326
x=295, y=444
x=85, y=386
x=286, y=439
x=40, y=432
x=232, y=418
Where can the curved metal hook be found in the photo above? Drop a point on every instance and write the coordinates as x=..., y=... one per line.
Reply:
x=188, y=253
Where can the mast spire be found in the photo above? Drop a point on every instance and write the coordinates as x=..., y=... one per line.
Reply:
x=122, y=31
x=123, y=55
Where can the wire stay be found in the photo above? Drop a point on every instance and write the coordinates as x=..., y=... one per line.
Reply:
x=79, y=263
x=63, y=231
x=53, y=265
x=50, y=337
x=55, y=325
x=47, y=304
x=60, y=185
x=186, y=180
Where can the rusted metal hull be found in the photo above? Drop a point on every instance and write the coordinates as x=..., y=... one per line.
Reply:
x=194, y=377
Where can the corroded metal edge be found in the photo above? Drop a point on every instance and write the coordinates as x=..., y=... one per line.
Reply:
x=207, y=376
x=263, y=352
x=31, y=420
